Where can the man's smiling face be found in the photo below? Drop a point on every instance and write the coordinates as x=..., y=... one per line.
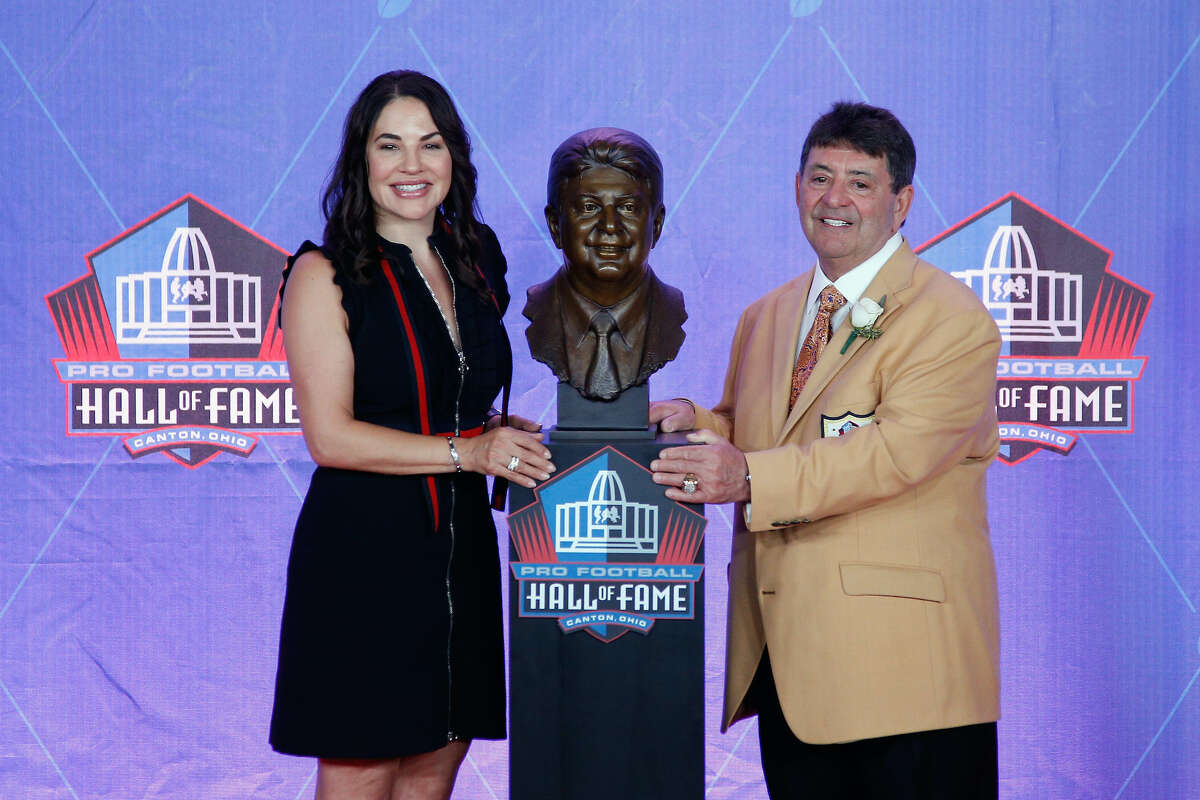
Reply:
x=847, y=206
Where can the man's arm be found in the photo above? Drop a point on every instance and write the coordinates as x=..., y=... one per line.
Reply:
x=721, y=470
x=682, y=414
x=936, y=409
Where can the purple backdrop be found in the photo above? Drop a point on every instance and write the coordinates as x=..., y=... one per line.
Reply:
x=147, y=512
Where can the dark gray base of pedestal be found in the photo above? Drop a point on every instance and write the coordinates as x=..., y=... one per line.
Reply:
x=593, y=720
x=599, y=419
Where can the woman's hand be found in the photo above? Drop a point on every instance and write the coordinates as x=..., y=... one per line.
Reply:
x=494, y=452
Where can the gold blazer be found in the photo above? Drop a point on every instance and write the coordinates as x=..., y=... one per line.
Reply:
x=863, y=560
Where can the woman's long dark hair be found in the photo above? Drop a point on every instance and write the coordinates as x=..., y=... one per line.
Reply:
x=349, y=210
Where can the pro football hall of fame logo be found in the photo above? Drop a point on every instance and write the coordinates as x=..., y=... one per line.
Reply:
x=1069, y=324
x=601, y=549
x=171, y=338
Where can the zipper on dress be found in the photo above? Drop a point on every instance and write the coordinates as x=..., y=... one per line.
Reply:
x=451, y=735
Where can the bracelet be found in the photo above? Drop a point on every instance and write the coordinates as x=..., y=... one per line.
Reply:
x=454, y=454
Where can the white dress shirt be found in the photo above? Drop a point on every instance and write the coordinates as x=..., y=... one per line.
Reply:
x=851, y=285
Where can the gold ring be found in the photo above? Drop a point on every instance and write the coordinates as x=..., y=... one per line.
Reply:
x=690, y=483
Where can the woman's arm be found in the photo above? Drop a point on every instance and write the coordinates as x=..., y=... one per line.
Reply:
x=321, y=363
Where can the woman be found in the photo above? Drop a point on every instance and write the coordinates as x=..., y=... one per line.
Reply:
x=391, y=654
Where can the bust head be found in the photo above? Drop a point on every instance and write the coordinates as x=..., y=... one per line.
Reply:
x=605, y=212
x=604, y=209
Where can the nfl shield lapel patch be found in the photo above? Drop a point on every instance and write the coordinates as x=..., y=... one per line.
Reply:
x=840, y=426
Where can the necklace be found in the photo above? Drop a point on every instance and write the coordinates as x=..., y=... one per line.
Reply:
x=450, y=329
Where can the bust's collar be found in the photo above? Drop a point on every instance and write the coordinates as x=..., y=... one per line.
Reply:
x=578, y=310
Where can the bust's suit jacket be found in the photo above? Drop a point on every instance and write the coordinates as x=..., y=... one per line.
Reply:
x=863, y=561
x=662, y=340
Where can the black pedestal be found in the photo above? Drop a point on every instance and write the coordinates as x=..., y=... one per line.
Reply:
x=606, y=612
x=601, y=420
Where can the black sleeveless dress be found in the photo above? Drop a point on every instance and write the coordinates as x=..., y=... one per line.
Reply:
x=391, y=640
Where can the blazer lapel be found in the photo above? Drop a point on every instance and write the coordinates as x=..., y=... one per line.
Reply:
x=893, y=278
x=789, y=316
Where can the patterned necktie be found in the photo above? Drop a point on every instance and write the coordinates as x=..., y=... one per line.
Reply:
x=815, y=341
x=602, y=375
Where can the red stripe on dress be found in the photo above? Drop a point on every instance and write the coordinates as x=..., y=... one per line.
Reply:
x=419, y=369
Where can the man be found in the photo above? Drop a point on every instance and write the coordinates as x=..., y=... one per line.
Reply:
x=604, y=322
x=862, y=601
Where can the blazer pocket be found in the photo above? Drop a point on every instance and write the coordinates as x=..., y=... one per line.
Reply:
x=891, y=580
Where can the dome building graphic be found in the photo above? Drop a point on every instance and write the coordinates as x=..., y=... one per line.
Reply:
x=1029, y=304
x=606, y=522
x=188, y=299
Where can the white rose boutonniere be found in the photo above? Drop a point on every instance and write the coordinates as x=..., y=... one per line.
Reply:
x=862, y=319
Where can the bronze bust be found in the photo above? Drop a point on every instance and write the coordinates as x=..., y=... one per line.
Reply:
x=604, y=322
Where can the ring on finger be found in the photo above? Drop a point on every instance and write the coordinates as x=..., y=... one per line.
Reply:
x=513, y=463
x=690, y=483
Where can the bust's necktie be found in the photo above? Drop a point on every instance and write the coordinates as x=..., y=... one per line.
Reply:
x=602, y=375
x=815, y=341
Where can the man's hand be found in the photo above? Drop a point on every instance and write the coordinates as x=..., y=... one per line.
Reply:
x=719, y=467
x=514, y=421
x=673, y=415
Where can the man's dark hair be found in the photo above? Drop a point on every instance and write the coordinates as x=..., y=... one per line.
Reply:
x=605, y=147
x=349, y=210
x=868, y=129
